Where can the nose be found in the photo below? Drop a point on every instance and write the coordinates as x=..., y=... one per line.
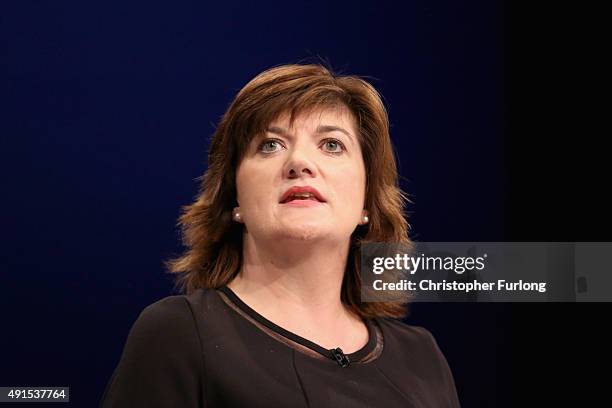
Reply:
x=298, y=166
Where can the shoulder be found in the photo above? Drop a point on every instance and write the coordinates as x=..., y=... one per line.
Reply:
x=416, y=340
x=407, y=332
x=418, y=348
x=169, y=312
x=165, y=326
x=162, y=358
x=171, y=316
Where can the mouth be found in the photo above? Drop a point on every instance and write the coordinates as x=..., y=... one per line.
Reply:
x=301, y=194
x=301, y=197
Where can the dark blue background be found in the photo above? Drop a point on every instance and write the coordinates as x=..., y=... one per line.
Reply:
x=107, y=116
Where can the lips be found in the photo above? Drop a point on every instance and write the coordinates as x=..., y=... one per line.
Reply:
x=301, y=193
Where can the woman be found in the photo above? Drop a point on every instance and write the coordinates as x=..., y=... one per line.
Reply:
x=300, y=171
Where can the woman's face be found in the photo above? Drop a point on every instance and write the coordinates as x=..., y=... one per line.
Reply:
x=320, y=151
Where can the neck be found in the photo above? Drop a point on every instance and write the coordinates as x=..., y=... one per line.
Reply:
x=296, y=285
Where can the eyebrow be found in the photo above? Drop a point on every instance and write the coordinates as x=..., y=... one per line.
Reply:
x=320, y=129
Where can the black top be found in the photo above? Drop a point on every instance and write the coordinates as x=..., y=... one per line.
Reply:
x=210, y=349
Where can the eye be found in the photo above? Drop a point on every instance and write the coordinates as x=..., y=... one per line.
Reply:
x=334, y=146
x=269, y=146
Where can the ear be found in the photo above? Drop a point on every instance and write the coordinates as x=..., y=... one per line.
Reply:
x=236, y=215
x=365, y=217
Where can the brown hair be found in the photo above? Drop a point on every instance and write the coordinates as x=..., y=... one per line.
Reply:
x=214, y=242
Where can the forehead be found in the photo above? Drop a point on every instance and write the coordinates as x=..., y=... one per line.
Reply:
x=337, y=115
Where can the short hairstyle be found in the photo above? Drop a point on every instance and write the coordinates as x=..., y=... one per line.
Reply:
x=213, y=241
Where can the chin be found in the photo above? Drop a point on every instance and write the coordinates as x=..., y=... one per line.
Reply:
x=305, y=232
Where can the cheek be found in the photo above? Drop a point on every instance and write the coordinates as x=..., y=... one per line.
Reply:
x=244, y=184
x=350, y=186
x=253, y=184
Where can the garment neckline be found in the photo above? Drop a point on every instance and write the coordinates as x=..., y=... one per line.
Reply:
x=366, y=350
